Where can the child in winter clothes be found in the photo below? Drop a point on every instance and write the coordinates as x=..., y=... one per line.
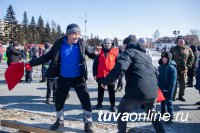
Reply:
x=166, y=81
x=28, y=74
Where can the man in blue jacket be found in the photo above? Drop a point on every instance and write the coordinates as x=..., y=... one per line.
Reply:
x=68, y=63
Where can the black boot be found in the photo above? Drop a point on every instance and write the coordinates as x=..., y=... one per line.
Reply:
x=57, y=124
x=170, y=120
x=47, y=101
x=112, y=108
x=88, y=128
x=181, y=99
x=98, y=106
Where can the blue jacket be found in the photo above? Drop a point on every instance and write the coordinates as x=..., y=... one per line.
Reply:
x=167, y=77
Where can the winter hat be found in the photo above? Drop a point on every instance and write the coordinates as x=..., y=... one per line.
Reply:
x=167, y=55
x=47, y=45
x=72, y=28
x=141, y=40
x=180, y=37
x=130, y=39
x=106, y=41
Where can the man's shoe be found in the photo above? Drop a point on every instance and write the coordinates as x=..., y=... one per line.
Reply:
x=98, y=106
x=112, y=109
x=190, y=85
x=47, y=101
x=170, y=120
x=197, y=103
x=173, y=99
x=57, y=124
x=88, y=128
x=41, y=81
x=181, y=99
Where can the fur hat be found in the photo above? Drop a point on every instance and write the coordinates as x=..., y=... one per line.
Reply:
x=167, y=55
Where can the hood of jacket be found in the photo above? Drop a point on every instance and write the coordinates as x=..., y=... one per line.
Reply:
x=137, y=46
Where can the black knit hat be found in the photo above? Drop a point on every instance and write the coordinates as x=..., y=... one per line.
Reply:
x=72, y=28
x=130, y=39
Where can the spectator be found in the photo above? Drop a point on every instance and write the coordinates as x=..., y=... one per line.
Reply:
x=184, y=58
x=197, y=86
x=167, y=81
x=102, y=66
x=0, y=57
x=13, y=53
x=192, y=71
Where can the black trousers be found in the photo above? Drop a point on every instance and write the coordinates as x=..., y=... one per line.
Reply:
x=51, y=86
x=80, y=87
x=190, y=75
x=111, y=92
x=127, y=106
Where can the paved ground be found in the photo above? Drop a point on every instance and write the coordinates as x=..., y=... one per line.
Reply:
x=31, y=97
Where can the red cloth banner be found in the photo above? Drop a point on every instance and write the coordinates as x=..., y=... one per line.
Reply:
x=14, y=74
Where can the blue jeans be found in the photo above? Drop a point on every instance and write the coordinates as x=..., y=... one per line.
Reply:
x=127, y=105
x=167, y=104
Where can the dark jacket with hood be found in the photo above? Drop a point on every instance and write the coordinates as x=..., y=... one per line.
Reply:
x=54, y=56
x=167, y=75
x=140, y=74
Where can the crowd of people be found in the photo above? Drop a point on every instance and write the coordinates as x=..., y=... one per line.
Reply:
x=64, y=66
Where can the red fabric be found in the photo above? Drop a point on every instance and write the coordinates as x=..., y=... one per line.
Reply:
x=106, y=64
x=160, y=97
x=14, y=74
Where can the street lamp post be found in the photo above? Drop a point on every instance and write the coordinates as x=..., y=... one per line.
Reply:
x=85, y=22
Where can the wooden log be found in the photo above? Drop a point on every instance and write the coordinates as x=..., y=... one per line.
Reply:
x=26, y=127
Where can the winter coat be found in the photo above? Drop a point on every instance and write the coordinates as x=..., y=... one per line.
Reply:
x=167, y=77
x=196, y=55
x=54, y=55
x=13, y=55
x=140, y=74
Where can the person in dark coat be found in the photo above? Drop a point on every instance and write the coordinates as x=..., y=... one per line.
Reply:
x=197, y=86
x=102, y=65
x=167, y=82
x=46, y=64
x=192, y=71
x=68, y=63
x=141, y=82
x=13, y=53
